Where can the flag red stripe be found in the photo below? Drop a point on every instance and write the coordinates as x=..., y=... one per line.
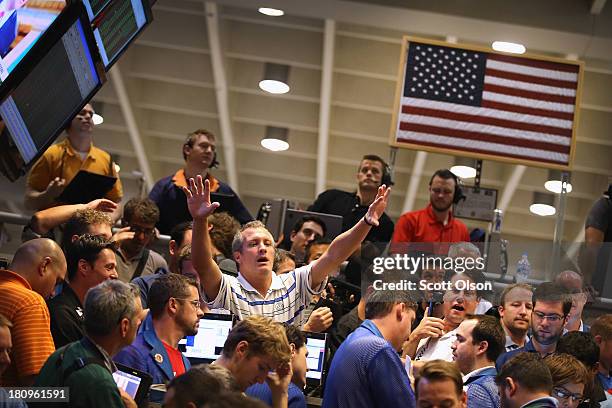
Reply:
x=529, y=94
x=436, y=113
x=555, y=66
x=483, y=137
x=483, y=151
x=529, y=111
x=530, y=78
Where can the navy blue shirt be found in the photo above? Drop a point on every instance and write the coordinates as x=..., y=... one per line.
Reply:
x=367, y=372
x=264, y=393
x=503, y=358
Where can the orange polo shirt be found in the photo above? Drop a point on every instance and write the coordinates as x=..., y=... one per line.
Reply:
x=31, y=331
x=422, y=226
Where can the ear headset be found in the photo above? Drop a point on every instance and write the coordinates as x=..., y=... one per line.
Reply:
x=386, y=176
x=458, y=195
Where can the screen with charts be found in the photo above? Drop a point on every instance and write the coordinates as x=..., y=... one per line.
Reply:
x=127, y=382
x=22, y=22
x=67, y=73
x=118, y=25
x=316, y=356
x=208, y=343
x=94, y=7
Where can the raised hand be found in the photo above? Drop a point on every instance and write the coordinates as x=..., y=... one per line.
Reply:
x=102, y=204
x=378, y=206
x=198, y=198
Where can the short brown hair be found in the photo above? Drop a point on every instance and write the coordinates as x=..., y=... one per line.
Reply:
x=264, y=337
x=381, y=302
x=5, y=322
x=239, y=239
x=552, y=292
x=224, y=227
x=193, y=136
x=166, y=287
x=565, y=368
x=509, y=288
x=438, y=370
x=528, y=370
x=373, y=157
x=602, y=326
x=143, y=208
x=489, y=329
x=80, y=221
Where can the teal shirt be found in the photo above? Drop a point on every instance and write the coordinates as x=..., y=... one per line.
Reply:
x=91, y=386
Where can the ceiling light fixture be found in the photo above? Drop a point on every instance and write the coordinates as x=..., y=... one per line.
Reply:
x=464, y=168
x=505, y=46
x=275, y=79
x=272, y=12
x=554, y=182
x=277, y=139
x=543, y=204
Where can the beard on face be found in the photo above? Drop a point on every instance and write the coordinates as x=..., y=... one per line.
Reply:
x=546, y=341
x=439, y=208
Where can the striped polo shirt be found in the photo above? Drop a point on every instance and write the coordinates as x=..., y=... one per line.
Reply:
x=31, y=332
x=285, y=301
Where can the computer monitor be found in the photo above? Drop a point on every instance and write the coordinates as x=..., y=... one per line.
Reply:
x=22, y=23
x=60, y=75
x=94, y=7
x=316, y=344
x=117, y=25
x=333, y=223
x=207, y=345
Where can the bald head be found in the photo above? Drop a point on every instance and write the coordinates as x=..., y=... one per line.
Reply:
x=42, y=263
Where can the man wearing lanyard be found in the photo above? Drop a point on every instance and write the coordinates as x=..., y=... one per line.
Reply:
x=366, y=370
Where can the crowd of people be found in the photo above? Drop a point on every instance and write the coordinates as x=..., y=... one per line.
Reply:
x=79, y=299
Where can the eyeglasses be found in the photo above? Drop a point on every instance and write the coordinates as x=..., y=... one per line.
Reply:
x=137, y=230
x=196, y=303
x=553, y=318
x=564, y=393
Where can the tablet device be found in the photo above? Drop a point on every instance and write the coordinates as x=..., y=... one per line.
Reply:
x=85, y=187
x=136, y=383
x=316, y=344
x=207, y=345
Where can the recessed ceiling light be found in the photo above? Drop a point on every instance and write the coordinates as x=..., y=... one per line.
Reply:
x=271, y=12
x=274, y=87
x=277, y=139
x=555, y=186
x=97, y=119
x=504, y=46
x=543, y=204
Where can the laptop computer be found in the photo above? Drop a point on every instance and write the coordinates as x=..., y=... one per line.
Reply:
x=136, y=383
x=316, y=344
x=206, y=346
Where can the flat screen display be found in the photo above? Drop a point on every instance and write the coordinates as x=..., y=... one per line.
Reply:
x=316, y=356
x=118, y=25
x=22, y=22
x=127, y=382
x=208, y=343
x=65, y=73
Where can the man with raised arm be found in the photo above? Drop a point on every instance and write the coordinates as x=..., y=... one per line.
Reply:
x=258, y=290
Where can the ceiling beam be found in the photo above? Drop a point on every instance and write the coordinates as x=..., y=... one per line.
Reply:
x=511, y=186
x=415, y=179
x=432, y=24
x=130, y=121
x=216, y=54
x=325, y=104
x=597, y=6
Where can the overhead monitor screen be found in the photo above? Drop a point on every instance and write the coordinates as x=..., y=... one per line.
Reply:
x=94, y=7
x=118, y=25
x=22, y=22
x=66, y=74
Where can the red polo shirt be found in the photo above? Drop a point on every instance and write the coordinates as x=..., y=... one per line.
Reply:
x=422, y=226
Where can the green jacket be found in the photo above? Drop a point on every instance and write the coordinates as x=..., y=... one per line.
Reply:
x=90, y=386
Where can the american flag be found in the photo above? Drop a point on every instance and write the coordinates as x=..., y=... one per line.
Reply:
x=485, y=103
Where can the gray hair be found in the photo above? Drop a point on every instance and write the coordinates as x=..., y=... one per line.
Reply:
x=106, y=304
x=461, y=249
x=239, y=238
